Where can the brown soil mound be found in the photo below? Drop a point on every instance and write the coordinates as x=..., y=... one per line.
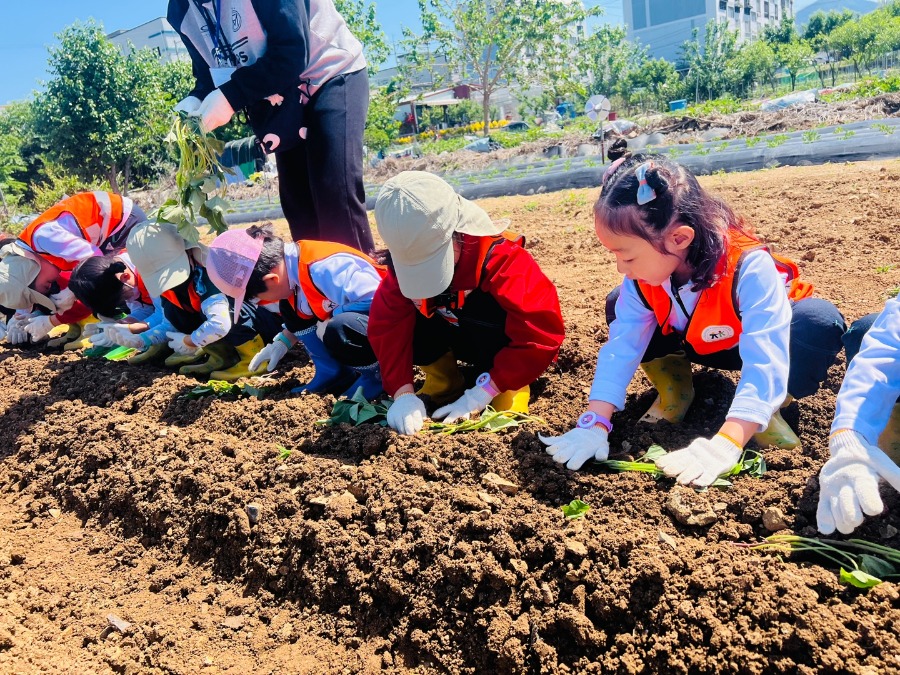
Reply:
x=365, y=551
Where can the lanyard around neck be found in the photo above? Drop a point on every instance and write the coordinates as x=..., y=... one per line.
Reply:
x=221, y=49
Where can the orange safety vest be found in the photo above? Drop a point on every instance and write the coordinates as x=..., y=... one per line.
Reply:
x=142, y=289
x=193, y=297
x=99, y=216
x=468, y=279
x=715, y=324
x=313, y=251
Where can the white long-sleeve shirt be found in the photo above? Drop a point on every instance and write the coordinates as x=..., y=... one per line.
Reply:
x=872, y=383
x=62, y=238
x=765, y=312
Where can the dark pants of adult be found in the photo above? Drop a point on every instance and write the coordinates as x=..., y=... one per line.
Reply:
x=816, y=330
x=477, y=337
x=347, y=339
x=252, y=320
x=321, y=180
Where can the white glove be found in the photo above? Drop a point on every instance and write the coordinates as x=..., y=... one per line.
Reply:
x=38, y=327
x=577, y=446
x=15, y=330
x=215, y=111
x=702, y=462
x=178, y=344
x=63, y=300
x=272, y=352
x=848, y=483
x=473, y=400
x=121, y=335
x=100, y=339
x=406, y=414
x=187, y=105
x=93, y=329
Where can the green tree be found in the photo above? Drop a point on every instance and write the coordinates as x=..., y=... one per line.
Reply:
x=16, y=139
x=822, y=23
x=795, y=57
x=499, y=42
x=363, y=23
x=782, y=34
x=611, y=60
x=860, y=41
x=712, y=63
x=659, y=79
x=381, y=127
x=755, y=63
x=98, y=107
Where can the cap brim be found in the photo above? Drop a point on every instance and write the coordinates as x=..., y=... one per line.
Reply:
x=429, y=278
x=36, y=298
x=475, y=221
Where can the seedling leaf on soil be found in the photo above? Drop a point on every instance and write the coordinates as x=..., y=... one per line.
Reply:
x=575, y=509
x=283, y=453
x=357, y=410
x=490, y=421
x=199, y=181
x=221, y=388
x=862, y=564
x=751, y=462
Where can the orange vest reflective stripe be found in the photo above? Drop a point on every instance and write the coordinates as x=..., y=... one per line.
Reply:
x=715, y=324
x=467, y=280
x=98, y=214
x=313, y=251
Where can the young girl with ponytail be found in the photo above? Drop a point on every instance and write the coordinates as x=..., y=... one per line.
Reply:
x=698, y=288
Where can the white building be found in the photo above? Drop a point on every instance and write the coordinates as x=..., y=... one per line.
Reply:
x=157, y=35
x=664, y=25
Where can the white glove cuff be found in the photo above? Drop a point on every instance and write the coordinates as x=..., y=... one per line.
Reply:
x=725, y=447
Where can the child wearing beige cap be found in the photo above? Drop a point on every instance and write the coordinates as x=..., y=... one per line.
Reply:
x=192, y=315
x=457, y=289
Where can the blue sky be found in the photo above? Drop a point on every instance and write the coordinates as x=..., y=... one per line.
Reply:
x=31, y=29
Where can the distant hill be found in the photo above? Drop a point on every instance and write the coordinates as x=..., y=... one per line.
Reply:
x=858, y=6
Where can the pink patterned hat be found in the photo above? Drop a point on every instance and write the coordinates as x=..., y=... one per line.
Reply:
x=232, y=258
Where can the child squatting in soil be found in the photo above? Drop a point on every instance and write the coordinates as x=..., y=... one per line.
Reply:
x=457, y=288
x=698, y=288
x=865, y=434
x=191, y=314
x=324, y=291
x=35, y=268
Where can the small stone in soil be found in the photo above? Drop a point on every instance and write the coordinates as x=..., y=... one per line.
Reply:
x=119, y=624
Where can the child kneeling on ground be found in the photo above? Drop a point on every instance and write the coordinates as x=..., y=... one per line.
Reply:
x=457, y=289
x=191, y=315
x=865, y=434
x=324, y=291
x=700, y=289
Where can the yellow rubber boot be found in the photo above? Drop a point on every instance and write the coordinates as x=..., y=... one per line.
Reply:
x=778, y=433
x=246, y=352
x=515, y=400
x=220, y=355
x=74, y=339
x=443, y=381
x=62, y=335
x=671, y=375
x=152, y=353
x=889, y=441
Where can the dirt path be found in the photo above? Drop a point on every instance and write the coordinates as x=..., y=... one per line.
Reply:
x=374, y=552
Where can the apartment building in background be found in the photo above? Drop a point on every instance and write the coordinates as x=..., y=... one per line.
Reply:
x=156, y=35
x=663, y=25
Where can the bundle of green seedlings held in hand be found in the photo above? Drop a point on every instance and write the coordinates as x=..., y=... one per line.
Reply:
x=490, y=421
x=751, y=462
x=869, y=564
x=221, y=389
x=199, y=181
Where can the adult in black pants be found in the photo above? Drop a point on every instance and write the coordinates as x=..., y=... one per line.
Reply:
x=301, y=76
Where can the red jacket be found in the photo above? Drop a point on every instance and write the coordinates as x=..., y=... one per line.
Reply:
x=533, y=319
